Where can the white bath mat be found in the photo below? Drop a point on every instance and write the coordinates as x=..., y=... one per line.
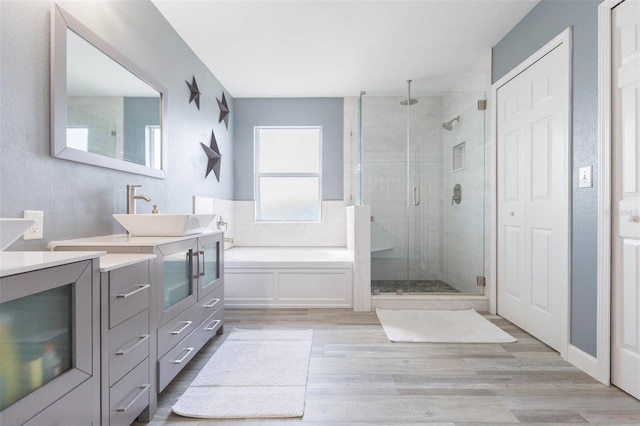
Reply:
x=440, y=326
x=254, y=374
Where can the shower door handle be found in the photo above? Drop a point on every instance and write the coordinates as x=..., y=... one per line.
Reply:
x=416, y=196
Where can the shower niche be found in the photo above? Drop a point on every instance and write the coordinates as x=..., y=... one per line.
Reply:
x=414, y=150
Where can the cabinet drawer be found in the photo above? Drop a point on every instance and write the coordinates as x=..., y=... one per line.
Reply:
x=130, y=396
x=175, y=330
x=210, y=303
x=128, y=345
x=170, y=334
x=129, y=289
x=175, y=360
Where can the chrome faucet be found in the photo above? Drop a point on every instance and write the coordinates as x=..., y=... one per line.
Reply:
x=132, y=197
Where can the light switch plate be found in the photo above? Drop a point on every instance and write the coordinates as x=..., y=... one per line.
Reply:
x=585, y=177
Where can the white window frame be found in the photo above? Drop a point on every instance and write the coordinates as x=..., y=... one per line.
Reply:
x=152, y=146
x=258, y=175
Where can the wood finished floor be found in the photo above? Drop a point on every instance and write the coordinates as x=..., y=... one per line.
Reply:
x=357, y=377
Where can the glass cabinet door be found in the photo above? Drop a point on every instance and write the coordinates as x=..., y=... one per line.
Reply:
x=46, y=335
x=176, y=269
x=210, y=265
x=35, y=342
x=178, y=278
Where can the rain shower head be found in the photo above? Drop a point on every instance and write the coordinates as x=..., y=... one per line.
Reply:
x=409, y=101
x=406, y=102
x=449, y=124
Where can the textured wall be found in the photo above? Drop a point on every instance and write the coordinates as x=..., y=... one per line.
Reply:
x=325, y=112
x=78, y=199
x=544, y=22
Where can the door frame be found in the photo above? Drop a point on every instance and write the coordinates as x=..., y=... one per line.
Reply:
x=602, y=370
x=563, y=37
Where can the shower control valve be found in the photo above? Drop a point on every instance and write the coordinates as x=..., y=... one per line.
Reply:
x=457, y=194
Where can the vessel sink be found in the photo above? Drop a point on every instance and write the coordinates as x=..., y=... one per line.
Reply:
x=12, y=229
x=164, y=225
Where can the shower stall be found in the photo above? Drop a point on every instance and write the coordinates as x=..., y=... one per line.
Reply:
x=421, y=170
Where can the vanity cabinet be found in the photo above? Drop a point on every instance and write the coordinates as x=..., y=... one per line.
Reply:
x=186, y=296
x=125, y=336
x=192, y=299
x=49, y=335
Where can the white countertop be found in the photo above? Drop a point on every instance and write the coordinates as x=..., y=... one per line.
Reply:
x=122, y=240
x=17, y=262
x=118, y=260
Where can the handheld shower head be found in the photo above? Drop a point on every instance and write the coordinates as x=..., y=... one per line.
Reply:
x=449, y=124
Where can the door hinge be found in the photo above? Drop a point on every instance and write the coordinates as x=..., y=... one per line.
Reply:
x=482, y=105
x=481, y=281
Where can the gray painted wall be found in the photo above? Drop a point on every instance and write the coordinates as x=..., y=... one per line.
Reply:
x=78, y=199
x=543, y=23
x=325, y=112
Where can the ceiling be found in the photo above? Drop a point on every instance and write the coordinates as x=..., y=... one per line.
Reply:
x=337, y=48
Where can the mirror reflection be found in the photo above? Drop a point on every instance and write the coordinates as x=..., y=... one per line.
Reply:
x=106, y=110
x=110, y=111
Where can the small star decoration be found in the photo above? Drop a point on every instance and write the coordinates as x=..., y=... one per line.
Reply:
x=224, y=111
x=214, y=155
x=195, y=92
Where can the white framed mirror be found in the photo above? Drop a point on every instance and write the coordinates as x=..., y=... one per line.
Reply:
x=105, y=110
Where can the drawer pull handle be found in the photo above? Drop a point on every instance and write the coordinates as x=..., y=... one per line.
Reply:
x=142, y=338
x=212, y=325
x=179, y=361
x=131, y=293
x=212, y=303
x=143, y=389
x=183, y=328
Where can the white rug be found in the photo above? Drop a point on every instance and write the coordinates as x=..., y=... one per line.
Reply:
x=440, y=326
x=253, y=374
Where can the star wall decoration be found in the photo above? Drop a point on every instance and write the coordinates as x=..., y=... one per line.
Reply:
x=224, y=111
x=213, y=153
x=195, y=92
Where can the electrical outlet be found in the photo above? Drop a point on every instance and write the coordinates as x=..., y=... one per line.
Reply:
x=35, y=232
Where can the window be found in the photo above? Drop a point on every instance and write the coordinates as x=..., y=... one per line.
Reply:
x=78, y=138
x=288, y=179
x=152, y=147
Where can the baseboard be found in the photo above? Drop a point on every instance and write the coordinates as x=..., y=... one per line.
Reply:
x=584, y=361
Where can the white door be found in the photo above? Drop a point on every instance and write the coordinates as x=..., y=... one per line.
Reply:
x=533, y=198
x=625, y=356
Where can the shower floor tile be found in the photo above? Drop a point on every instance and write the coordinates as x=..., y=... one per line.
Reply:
x=412, y=287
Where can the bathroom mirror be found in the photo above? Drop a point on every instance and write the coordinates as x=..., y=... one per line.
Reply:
x=105, y=110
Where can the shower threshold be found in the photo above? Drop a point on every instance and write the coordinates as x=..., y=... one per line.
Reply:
x=410, y=287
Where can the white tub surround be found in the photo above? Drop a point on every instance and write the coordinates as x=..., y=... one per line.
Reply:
x=294, y=277
x=328, y=232
x=359, y=243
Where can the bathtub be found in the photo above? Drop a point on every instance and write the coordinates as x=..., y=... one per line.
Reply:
x=294, y=277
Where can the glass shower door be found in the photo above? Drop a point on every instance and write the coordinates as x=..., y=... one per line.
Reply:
x=423, y=177
x=384, y=174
